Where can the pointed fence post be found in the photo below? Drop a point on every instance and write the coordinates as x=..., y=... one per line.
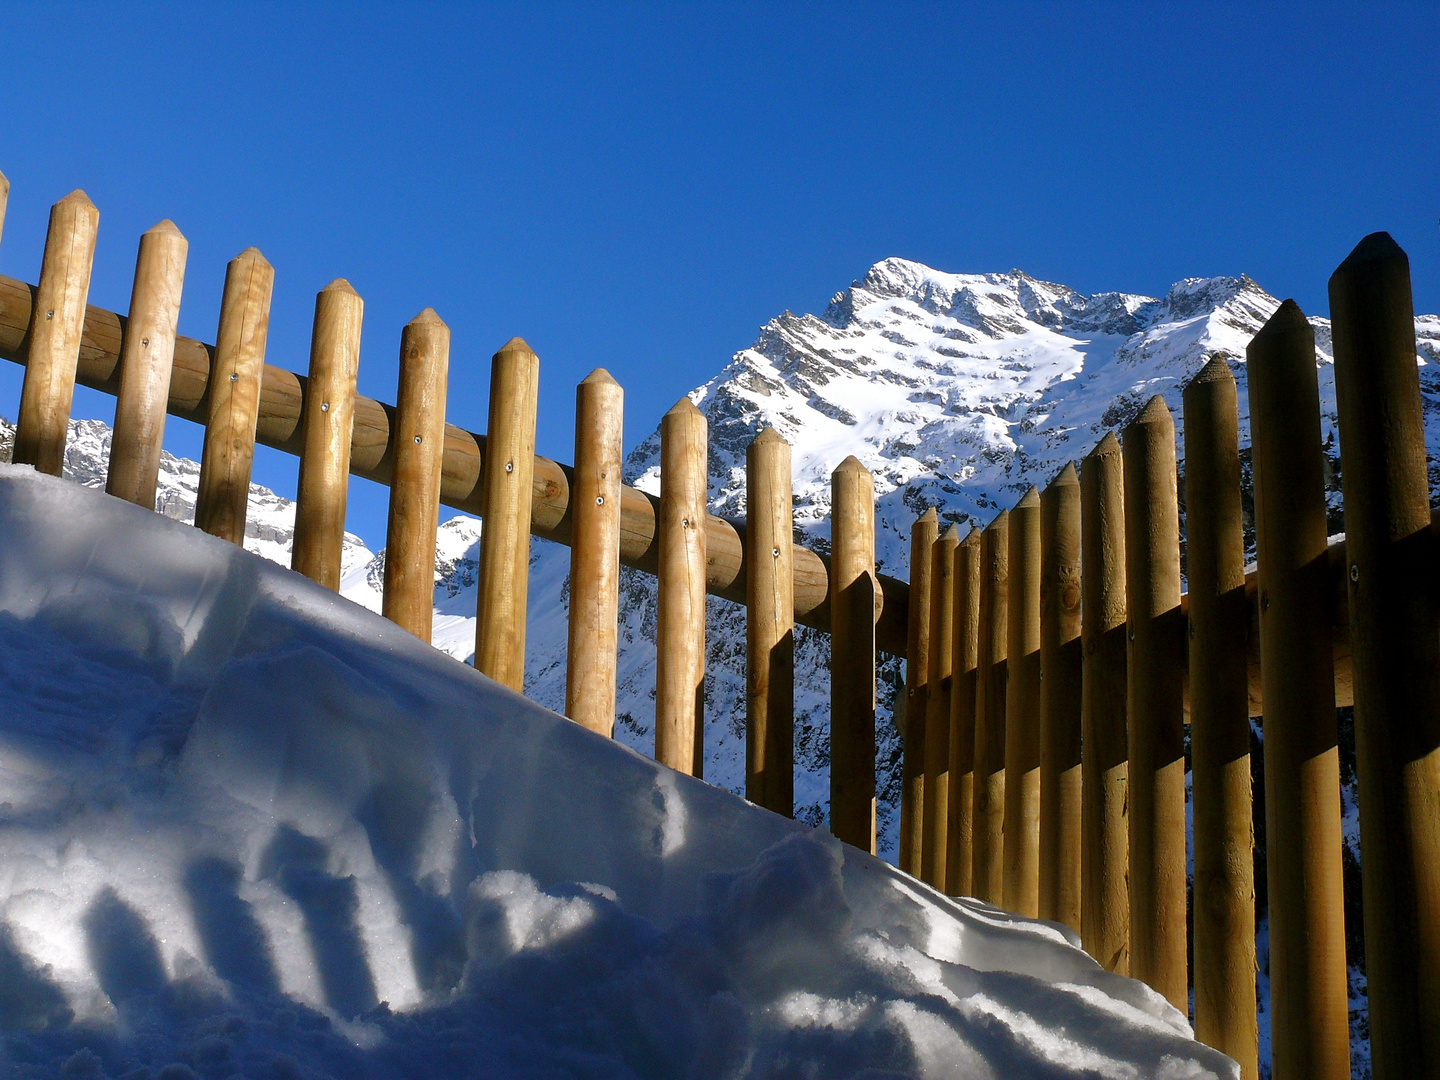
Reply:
x=1155, y=707
x=1104, y=764
x=327, y=421
x=234, y=392
x=852, y=662
x=1060, y=696
x=4, y=200
x=769, y=624
x=1224, y=877
x=1022, y=712
x=917, y=667
x=960, y=834
x=508, y=467
x=147, y=356
x=1309, y=983
x=937, y=709
x=57, y=320
x=592, y=657
x=417, y=447
x=680, y=620
x=1394, y=593
x=987, y=877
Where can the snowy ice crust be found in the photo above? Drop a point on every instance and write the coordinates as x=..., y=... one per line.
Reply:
x=249, y=828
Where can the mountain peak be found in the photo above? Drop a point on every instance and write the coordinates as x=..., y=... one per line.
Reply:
x=995, y=304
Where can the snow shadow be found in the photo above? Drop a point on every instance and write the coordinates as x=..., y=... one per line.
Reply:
x=123, y=952
x=233, y=939
x=395, y=818
x=331, y=908
x=29, y=1000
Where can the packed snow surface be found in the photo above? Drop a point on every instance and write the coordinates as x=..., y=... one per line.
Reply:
x=248, y=828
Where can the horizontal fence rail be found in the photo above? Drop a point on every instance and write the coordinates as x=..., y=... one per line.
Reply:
x=282, y=399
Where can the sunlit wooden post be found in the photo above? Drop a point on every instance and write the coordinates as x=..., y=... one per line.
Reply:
x=1394, y=595
x=680, y=621
x=1104, y=824
x=1060, y=695
x=508, y=469
x=769, y=624
x=57, y=319
x=1309, y=984
x=852, y=664
x=1224, y=877
x=234, y=395
x=147, y=355
x=937, y=709
x=1155, y=706
x=592, y=657
x=327, y=421
x=416, y=445
x=960, y=833
x=1022, y=711
x=917, y=666
x=4, y=201
x=988, y=824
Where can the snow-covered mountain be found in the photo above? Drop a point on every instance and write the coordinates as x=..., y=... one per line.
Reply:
x=958, y=391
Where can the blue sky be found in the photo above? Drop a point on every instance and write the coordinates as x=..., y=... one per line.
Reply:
x=640, y=187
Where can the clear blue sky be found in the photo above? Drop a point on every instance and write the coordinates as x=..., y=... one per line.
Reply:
x=641, y=187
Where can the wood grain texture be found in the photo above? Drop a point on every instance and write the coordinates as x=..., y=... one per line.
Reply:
x=960, y=833
x=1394, y=605
x=1104, y=765
x=233, y=397
x=595, y=553
x=680, y=614
x=509, y=471
x=1061, y=670
x=1155, y=706
x=923, y=534
x=988, y=838
x=56, y=322
x=327, y=424
x=409, y=588
x=770, y=625
x=937, y=710
x=1022, y=711
x=852, y=667
x=1224, y=859
x=145, y=365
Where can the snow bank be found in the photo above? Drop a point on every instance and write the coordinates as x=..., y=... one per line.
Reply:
x=250, y=829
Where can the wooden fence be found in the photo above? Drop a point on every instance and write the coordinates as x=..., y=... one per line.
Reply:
x=1052, y=660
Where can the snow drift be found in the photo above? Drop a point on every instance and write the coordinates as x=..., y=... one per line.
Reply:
x=249, y=828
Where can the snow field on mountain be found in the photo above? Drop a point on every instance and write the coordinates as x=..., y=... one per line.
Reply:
x=248, y=828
